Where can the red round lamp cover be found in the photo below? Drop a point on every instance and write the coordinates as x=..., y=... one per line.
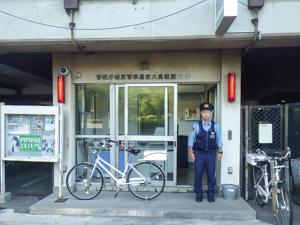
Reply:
x=60, y=89
x=231, y=87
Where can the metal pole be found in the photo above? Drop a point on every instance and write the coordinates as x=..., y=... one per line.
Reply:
x=2, y=164
x=61, y=146
x=246, y=141
x=286, y=145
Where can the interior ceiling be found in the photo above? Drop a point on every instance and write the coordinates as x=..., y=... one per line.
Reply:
x=271, y=76
x=22, y=70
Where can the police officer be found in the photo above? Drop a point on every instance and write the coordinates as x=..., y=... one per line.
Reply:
x=204, y=146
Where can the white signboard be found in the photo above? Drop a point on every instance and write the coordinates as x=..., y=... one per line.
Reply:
x=265, y=133
x=226, y=12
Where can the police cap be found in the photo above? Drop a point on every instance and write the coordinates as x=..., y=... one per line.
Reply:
x=206, y=106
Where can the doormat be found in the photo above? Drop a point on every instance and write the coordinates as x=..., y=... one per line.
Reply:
x=61, y=200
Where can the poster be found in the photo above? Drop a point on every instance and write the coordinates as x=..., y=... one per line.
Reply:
x=48, y=144
x=14, y=143
x=30, y=143
x=38, y=123
x=49, y=123
x=19, y=124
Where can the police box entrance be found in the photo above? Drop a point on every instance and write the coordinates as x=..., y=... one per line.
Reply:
x=142, y=116
x=146, y=119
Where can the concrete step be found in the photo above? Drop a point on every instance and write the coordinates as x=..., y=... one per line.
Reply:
x=167, y=205
x=8, y=217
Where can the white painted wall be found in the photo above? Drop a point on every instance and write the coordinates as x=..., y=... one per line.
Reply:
x=275, y=18
x=230, y=118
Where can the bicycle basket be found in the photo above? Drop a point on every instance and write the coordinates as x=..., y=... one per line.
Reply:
x=253, y=159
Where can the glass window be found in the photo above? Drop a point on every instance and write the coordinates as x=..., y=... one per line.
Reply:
x=146, y=111
x=92, y=109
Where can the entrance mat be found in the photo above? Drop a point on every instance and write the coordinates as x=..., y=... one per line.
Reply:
x=61, y=200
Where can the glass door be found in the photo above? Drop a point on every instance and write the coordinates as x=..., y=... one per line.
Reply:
x=146, y=116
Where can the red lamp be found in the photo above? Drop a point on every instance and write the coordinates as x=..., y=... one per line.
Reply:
x=60, y=89
x=231, y=87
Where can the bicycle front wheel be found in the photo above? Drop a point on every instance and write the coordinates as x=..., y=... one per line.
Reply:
x=259, y=182
x=284, y=211
x=83, y=183
x=146, y=180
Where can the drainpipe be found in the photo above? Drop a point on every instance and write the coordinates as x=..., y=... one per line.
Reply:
x=72, y=26
x=71, y=6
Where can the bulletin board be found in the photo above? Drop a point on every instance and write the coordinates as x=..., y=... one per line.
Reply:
x=30, y=133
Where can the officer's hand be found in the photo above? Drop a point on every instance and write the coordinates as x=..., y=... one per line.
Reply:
x=219, y=157
x=193, y=157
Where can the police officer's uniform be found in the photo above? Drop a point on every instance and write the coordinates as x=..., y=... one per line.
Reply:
x=205, y=139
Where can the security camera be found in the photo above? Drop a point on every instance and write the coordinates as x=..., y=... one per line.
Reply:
x=63, y=70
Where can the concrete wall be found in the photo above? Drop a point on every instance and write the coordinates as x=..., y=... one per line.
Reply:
x=275, y=18
x=230, y=118
x=202, y=67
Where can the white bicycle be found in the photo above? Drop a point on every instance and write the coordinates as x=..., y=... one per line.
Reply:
x=272, y=187
x=145, y=179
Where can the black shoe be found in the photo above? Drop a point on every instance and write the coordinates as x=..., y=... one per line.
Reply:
x=199, y=198
x=210, y=198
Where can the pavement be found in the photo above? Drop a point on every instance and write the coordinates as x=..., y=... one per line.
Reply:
x=17, y=211
x=168, y=208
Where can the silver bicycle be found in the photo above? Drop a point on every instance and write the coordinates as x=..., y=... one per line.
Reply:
x=145, y=179
x=272, y=187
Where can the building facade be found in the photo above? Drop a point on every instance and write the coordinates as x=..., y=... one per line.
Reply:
x=137, y=67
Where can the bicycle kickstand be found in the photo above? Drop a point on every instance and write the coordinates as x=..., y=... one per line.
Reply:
x=117, y=192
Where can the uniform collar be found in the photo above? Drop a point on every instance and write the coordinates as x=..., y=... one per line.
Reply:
x=206, y=123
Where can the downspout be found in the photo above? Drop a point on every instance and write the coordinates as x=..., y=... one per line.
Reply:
x=72, y=26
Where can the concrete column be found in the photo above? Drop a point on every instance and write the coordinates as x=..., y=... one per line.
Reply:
x=230, y=118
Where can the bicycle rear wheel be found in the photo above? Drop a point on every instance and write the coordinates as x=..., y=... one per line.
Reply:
x=82, y=183
x=146, y=180
x=284, y=213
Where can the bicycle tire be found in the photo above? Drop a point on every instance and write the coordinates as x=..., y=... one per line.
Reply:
x=85, y=187
x=292, y=187
x=257, y=174
x=154, y=175
x=284, y=211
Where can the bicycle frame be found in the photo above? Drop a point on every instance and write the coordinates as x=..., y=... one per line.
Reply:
x=270, y=186
x=266, y=189
x=121, y=181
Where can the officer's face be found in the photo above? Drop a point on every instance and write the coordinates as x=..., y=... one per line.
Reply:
x=206, y=115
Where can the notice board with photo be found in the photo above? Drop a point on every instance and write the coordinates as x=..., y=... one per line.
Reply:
x=29, y=133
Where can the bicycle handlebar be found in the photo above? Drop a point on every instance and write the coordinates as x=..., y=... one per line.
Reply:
x=287, y=154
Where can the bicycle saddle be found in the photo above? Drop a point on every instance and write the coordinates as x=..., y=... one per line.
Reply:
x=133, y=151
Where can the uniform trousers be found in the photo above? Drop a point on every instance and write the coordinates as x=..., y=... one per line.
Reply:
x=205, y=160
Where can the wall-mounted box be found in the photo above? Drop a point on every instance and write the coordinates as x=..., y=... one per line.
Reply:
x=71, y=4
x=255, y=4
